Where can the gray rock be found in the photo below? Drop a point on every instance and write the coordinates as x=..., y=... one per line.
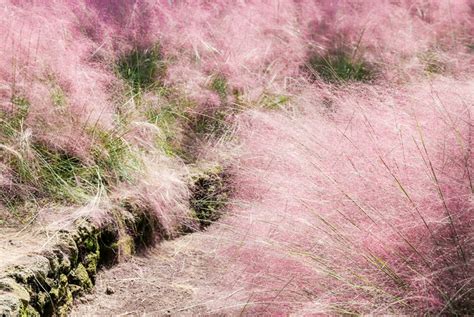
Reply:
x=109, y=290
x=10, y=305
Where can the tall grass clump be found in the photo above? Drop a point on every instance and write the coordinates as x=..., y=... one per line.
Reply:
x=168, y=119
x=340, y=67
x=46, y=172
x=377, y=200
x=70, y=107
x=358, y=192
x=142, y=68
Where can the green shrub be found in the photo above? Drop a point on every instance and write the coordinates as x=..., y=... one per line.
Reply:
x=113, y=156
x=61, y=175
x=142, y=68
x=339, y=66
x=220, y=86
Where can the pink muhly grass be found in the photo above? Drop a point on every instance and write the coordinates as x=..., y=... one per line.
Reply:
x=160, y=192
x=59, y=57
x=45, y=64
x=249, y=43
x=363, y=194
x=377, y=198
x=68, y=46
x=260, y=45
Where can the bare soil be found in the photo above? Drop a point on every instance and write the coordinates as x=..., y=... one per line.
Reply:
x=41, y=231
x=232, y=269
x=175, y=278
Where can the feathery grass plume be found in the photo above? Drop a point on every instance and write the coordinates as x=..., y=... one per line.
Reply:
x=141, y=68
x=62, y=134
x=363, y=192
x=377, y=198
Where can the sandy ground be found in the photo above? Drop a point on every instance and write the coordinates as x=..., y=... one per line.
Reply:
x=16, y=244
x=180, y=277
x=209, y=273
x=38, y=234
x=229, y=270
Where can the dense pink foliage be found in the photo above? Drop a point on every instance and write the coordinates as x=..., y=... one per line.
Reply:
x=260, y=45
x=342, y=190
x=357, y=197
x=256, y=44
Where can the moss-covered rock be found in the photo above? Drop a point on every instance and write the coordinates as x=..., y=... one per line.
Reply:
x=125, y=246
x=91, y=262
x=9, y=285
x=11, y=305
x=68, y=246
x=45, y=284
x=29, y=311
x=80, y=277
x=60, y=292
x=37, y=270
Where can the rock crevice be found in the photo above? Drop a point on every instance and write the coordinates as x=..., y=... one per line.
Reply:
x=45, y=284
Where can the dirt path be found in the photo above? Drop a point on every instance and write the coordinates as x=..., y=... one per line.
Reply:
x=180, y=277
x=253, y=262
x=41, y=232
x=229, y=270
